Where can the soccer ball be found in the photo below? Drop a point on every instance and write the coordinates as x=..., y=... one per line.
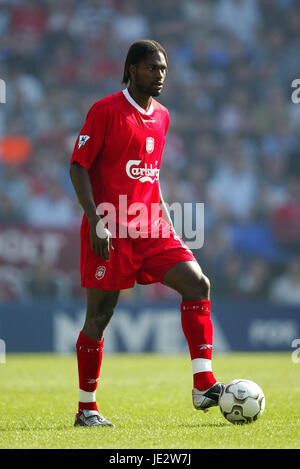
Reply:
x=242, y=401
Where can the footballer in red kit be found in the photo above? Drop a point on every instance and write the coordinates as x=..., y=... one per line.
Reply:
x=115, y=170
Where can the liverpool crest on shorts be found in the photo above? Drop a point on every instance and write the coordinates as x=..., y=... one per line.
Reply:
x=149, y=144
x=100, y=272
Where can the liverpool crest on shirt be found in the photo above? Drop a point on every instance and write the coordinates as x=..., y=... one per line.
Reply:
x=149, y=144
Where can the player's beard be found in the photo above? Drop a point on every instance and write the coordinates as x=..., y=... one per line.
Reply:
x=155, y=93
x=148, y=90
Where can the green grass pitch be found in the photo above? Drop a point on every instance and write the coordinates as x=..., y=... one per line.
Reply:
x=148, y=397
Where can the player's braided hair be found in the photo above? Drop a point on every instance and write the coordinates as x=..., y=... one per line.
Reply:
x=138, y=51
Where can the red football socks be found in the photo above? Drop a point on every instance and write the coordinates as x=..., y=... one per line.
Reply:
x=89, y=359
x=198, y=330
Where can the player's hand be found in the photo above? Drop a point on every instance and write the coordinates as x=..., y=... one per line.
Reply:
x=101, y=239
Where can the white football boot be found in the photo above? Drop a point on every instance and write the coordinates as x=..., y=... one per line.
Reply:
x=91, y=418
x=203, y=400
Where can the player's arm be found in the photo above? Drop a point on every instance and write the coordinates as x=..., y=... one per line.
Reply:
x=100, y=236
x=165, y=213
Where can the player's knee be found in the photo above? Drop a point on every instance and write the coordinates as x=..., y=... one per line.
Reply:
x=204, y=287
x=198, y=290
x=104, y=310
x=97, y=320
x=206, y=284
x=99, y=313
x=103, y=318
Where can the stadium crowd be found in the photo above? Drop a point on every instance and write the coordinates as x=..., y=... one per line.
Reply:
x=233, y=142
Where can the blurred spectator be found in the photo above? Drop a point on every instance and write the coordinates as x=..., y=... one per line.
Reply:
x=286, y=217
x=273, y=190
x=9, y=212
x=53, y=209
x=42, y=283
x=130, y=23
x=45, y=282
x=293, y=162
x=15, y=188
x=29, y=18
x=286, y=288
x=15, y=149
x=254, y=281
x=5, y=293
x=226, y=282
x=234, y=115
x=240, y=17
x=232, y=189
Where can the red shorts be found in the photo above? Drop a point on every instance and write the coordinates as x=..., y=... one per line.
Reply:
x=142, y=260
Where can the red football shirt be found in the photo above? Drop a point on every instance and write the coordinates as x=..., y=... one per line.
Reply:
x=121, y=146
